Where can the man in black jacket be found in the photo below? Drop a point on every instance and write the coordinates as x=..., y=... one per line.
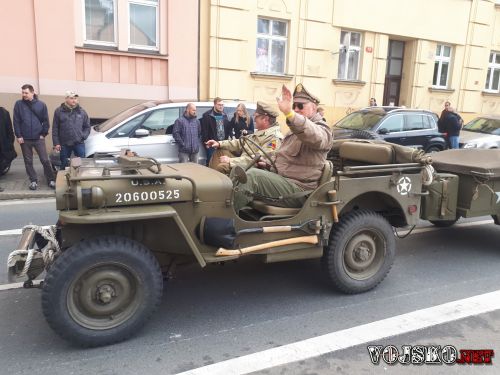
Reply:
x=214, y=125
x=31, y=125
x=70, y=128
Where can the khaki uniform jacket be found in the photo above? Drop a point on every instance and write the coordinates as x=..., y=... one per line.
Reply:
x=303, y=152
x=269, y=139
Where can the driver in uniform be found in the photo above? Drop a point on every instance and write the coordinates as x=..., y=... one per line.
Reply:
x=300, y=159
x=230, y=153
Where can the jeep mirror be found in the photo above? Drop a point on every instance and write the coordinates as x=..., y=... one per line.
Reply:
x=139, y=133
x=383, y=131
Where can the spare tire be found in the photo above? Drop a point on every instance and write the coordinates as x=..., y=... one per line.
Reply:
x=364, y=134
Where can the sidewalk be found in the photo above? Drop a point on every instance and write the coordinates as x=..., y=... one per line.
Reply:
x=15, y=182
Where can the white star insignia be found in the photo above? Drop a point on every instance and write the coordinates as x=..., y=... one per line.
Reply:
x=404, y=185
x=498, y=196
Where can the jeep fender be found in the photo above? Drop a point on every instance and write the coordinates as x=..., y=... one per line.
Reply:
x=128, y=215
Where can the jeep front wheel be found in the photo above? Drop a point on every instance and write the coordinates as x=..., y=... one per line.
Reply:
x=360, y=252
x=101, y=291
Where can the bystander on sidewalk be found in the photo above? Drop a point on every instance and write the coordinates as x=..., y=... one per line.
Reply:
x=16, y=182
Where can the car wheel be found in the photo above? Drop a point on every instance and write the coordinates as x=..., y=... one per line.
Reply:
x=433, y=149
x=443, y=223
x=360, y=252
x=4, y=168
x=101, y=291
x=364, y=134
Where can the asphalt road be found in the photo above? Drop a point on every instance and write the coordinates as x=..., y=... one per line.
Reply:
x=227, y=311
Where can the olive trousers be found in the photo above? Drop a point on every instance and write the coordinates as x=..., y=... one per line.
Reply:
x=266, y=186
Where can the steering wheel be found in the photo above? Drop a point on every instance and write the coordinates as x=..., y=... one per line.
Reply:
x=245, y=144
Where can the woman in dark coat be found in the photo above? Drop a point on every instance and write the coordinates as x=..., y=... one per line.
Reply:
x=242, y=122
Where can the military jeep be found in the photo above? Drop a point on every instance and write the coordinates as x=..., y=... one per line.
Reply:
x=125, y=223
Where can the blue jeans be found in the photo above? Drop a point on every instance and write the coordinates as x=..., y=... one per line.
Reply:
x=454, y=141
x=66, y=151
x=210, y=152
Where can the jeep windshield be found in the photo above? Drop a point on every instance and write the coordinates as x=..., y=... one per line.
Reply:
x=484, y=125
x=361, y=120
x=110, y=123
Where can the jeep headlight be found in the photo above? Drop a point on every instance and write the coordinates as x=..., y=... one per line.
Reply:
x=93, y=197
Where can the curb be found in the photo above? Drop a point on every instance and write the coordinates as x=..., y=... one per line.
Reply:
x=26, y=195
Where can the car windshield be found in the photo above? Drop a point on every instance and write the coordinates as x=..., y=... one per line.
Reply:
x=361, y=120
x=110, y=123
x=484, y=125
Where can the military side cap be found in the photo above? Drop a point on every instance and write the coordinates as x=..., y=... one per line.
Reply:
x=266, y=109
x=301, y=95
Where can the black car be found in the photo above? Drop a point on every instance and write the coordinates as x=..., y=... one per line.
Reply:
x=409, y=127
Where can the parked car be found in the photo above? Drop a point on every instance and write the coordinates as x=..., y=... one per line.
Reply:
x=147, y=130
x=409, y=127
x=481, y=132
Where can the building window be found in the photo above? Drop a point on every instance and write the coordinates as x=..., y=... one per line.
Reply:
x=441, y=66
x=100, y=22
x=493, y=76
x=271, y=46
x=143, y=25
x=350, y=47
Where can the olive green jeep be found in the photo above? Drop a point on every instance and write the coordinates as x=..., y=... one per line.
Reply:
x=125, y=223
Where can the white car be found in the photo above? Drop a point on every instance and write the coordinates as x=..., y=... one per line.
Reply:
x=147, y=130
x=482, y=132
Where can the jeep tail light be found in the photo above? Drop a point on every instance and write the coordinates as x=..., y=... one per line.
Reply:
x=412, y=209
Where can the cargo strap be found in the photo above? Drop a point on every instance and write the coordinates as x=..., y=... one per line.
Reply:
x=444, y=198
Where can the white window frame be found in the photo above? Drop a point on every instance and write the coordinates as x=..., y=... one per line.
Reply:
x=492, y=66
x=151, y=4
x=440, y=59
x=348, y=49
x=115, y=28
x=270, y=38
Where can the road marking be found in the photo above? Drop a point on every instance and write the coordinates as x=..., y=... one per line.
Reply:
x=26, y=201
x=14, y=232
x=17, y=285
x=10, y=232
x=355, y=336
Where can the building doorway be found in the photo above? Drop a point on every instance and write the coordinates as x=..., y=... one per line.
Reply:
x=393, y=73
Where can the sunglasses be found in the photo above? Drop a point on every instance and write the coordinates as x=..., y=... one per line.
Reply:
x=298, y=105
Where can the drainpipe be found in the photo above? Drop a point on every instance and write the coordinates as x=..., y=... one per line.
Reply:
x=36, y=48
x=199, y=54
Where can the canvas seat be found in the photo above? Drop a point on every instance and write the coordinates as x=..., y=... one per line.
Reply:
x=268, y=209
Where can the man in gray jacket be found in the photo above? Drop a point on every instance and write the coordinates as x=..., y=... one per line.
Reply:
x=187, y=135
x=71, y=127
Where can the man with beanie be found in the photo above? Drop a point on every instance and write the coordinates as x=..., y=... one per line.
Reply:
x=71, y=127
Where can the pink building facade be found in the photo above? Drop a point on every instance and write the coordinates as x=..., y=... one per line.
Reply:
x=113, y=53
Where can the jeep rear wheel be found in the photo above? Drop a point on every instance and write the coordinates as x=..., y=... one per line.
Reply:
x=101, y=291
x=360, y=252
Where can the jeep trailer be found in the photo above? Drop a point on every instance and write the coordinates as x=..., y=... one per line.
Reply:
x=125, y=223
